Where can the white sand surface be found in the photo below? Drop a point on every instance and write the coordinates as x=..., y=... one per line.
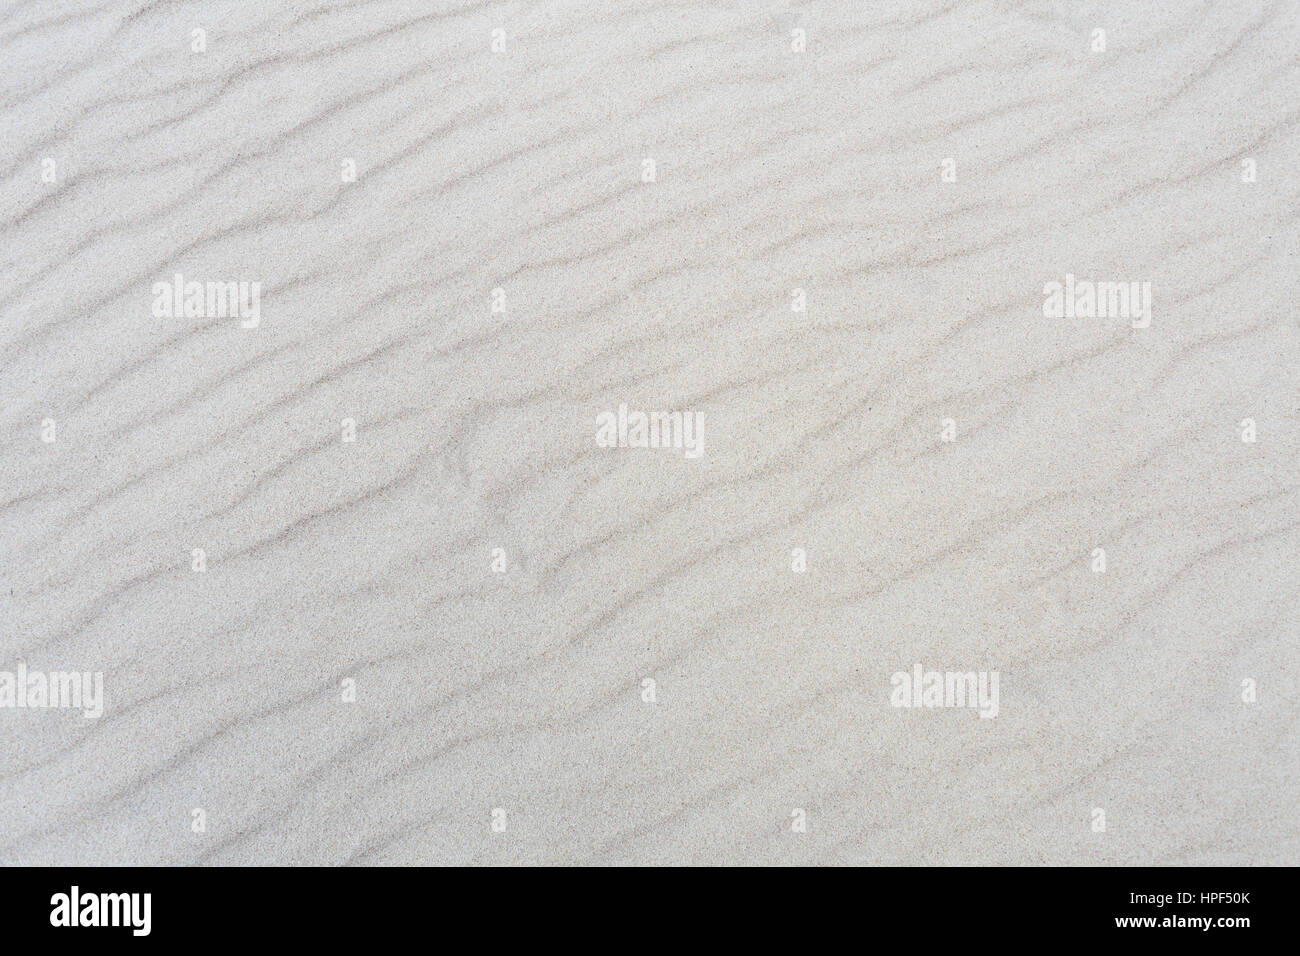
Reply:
x=799, y=158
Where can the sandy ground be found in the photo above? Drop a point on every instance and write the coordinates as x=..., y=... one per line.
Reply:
x=436, y=618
